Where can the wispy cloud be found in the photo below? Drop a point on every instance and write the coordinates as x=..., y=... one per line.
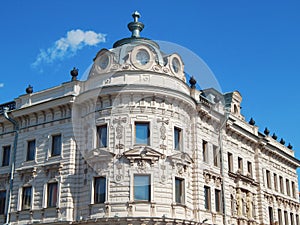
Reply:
x=68, y=46
x=1, y=85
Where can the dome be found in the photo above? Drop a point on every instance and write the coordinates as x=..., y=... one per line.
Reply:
x=135, y=54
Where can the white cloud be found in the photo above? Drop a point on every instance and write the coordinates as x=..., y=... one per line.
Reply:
x=1, y=85
x=68, y=46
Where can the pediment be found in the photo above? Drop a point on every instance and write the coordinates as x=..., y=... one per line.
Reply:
x=182, y=158
x=143, y=152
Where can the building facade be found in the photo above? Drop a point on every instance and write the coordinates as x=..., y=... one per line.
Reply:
x=134, y=143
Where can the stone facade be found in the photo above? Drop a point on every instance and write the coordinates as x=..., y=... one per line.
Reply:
x=83, y=148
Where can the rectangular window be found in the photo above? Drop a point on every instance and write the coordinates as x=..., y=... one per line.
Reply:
x=30, y=150
x=268, y=174
x=2, y=202
x=249, y=169
x=99, y=190
x=177, y=139
x=281, y=184
x=56, y=145
x=52, y=194
x=293, y=189
x=216, y=156
x=179, y=190
x=288, y=191
x=6, y=155
x=240, y=164
x=297, y=219
x=205, y=151
x=286, y=218
x=279, y=217
x=292, y=219
x=271, y=215
x=275, y=182
x=142, y=133
x=142, y=188
x=230, y=162
x=26, y=198
x=207, y=196
x=218, y=200
x=102, y=136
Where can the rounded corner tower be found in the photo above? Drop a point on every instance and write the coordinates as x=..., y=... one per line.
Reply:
x=133, y=124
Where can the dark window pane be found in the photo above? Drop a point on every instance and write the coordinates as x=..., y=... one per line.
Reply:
x=218, y=200
x=102, y=136
x=142, y=187
x=30, y=150
x=179, y=190
x=205, y=151
x=207, y=197
x=26, y=198
x=142, y=133
x=99, y=190
x=56, y=145
x=6, y=156
x=52, y=194
x=2, y=201
x=177, y=138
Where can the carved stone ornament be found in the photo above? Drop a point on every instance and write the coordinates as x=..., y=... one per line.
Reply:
x=27, y=174
x=143, y=153
x=119, y=128
x=180, y=160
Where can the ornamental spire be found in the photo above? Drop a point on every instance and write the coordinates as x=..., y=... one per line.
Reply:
x=135, y=27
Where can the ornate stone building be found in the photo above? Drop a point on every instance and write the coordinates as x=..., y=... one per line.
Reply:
x=135, y=144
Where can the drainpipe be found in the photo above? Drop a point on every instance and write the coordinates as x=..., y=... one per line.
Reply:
x=222, y=165
x=12, y=167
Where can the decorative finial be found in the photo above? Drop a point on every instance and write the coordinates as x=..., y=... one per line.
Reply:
x=290, y=146
x=192, y=82
x=74, y=73
x=29, y=89
x=252, y=122
x=282, y=141
x=136, y=27
x=266, y=131
x=274, y=136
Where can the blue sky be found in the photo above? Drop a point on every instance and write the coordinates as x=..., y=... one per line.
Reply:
x=251, y=46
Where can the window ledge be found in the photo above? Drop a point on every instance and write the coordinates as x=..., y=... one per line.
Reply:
x=179, y=204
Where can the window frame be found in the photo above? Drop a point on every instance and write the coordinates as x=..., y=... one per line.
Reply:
x=149, y=188
x=205, y=151
x=148, y=133
x=279, y=215
x=178, y=138
x=3, y=201
x=275, y=181
x=48, y=205
x=5, y=155
x=207, y=198
x=249, y=169
x=23, y=205
x=230, y=161
x=268, y=177
x=217, y=158
x=181, y=198
x=54, y=152
x=97, y=198
x=281, y=184
x=287, y=187
x=218, y=201
x=240, y=165
x=99, y=136
x=29, y=150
